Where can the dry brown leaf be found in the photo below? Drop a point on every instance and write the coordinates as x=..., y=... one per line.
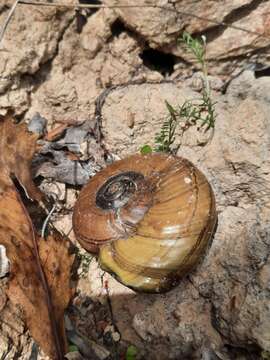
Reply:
x=57, y=262
x=56, y=132
x=17, y=148
x=40, y=269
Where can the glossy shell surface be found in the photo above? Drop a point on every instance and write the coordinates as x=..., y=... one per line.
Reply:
x=149, y=218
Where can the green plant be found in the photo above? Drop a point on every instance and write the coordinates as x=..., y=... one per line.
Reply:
x=131, y=352
x=265, y=355
x=197, y=47
x=146, y=149
x=72, y=348
x=166, y=137
x=199, y=111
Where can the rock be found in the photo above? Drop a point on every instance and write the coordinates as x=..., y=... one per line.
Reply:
x=35, y=43
x=137, y=102
x=69, y=93
x=74, y=355
x=107, y=51
x=197, y=80
x=162, y=25
x=38, y=125
x=122, y=60
x=227, y=296
x=4, y=262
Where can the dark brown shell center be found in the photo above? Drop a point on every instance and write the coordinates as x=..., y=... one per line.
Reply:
x=117, y=190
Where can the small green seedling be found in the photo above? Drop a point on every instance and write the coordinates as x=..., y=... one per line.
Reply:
x=72, y=348
x=131, y=353
x=165, y=138
x=146, y=149
x=196, y=46
x=199, y=112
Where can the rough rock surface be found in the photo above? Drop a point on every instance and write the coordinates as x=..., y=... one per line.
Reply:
x=36, y=42
x=60, y=62
x=128, y=119
x=227, y=298
x=161, y=26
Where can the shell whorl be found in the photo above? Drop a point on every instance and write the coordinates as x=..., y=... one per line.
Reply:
x=149, y=217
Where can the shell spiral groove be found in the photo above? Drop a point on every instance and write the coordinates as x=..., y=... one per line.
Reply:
x=149, y=217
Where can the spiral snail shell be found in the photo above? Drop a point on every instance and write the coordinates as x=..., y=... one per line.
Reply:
x=149, y=217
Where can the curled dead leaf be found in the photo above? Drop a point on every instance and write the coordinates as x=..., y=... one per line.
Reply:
x=17, y=148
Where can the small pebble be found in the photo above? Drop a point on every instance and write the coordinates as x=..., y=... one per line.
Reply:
x=4, y=262
x=116, y=336
x=38, y=124
x=111, y=334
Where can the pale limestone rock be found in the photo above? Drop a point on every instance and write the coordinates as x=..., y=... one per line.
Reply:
x=35, y=43
x=234, y=276
x=121, y=61
x=145, y=104
x=162, y=27
x=84, y=64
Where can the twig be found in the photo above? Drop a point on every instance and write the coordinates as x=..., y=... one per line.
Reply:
x=47, y=220
x=8, y=19
x=104, y=284
x=90, y=6
x=101, y=6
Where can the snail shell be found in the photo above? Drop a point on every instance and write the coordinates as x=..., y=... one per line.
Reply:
x=149, y=217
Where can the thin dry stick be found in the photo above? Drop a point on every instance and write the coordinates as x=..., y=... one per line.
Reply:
x=43, y=230
x=97, y=6
x=8, y=19
x=90, y=6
